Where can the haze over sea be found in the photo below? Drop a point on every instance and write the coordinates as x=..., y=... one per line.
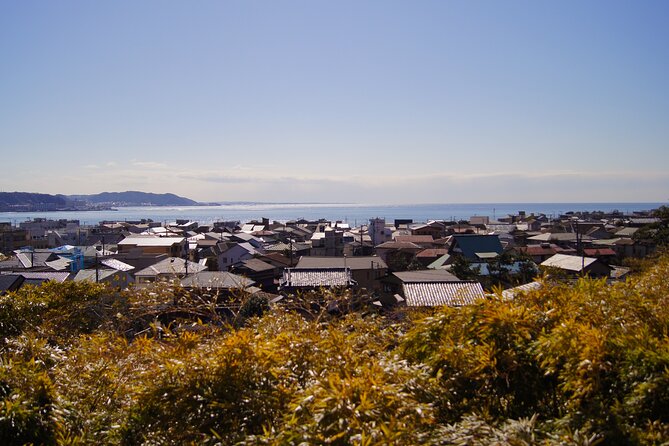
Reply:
x=354, y=214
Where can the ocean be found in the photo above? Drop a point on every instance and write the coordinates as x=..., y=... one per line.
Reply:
x=354, y=214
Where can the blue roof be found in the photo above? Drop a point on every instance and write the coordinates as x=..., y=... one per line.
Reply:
x=471, y=244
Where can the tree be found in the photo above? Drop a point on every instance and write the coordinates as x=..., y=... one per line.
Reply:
x=657, y=232
x=463, y=269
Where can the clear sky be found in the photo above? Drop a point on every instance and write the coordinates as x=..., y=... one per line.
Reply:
x=337, y=101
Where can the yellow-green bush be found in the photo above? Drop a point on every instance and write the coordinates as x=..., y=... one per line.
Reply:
x=567, y=364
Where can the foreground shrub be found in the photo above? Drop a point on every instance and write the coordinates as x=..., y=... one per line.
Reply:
x=587, y=357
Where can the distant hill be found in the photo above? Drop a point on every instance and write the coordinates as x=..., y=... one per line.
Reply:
x=135, y=198
x=28, y=198
x=27, y=201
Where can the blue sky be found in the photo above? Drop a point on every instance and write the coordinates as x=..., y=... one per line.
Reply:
x=340, y=101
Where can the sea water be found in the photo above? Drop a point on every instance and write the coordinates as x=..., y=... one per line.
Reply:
x=354, y=214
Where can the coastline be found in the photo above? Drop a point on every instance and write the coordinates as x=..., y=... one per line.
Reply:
x=351, y=213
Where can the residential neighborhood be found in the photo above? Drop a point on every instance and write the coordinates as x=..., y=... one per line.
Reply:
x=400, y=262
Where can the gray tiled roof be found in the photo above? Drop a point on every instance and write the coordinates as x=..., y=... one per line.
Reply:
x=256, y=265
x=171, y=265
x=317, y=277
x=90, y=274
x=429, y=294
x=58, y=276
x=216, y=279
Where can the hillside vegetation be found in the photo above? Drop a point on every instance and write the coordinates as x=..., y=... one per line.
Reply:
x=136, y=198
x=576, y=364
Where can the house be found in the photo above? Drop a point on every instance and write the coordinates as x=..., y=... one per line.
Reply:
x=295, y=233
x=475, y=248
x=11, y=238
x=295, y=279
x=626, y=232
x=10, y=283
x=563, y=239
x=578, y=265
x=37, y=278
x=169, y=269
x=543, y=251
x=602, y=253
x=398, y=255
x=330, y=242
x=112, y=277
x=235, y=254
x=210, y=250
x=425, y=241
x=429, y=288
x=33, y=259
x=147, y=244
x=365, y=271
x=292, y=251
x=136, y=259
x=434, y=229
x=378, y=231
x=428, y=256
x=242, y=237
x=264, y=274
x=116, y=264
x=277, y=259
x=219, y=281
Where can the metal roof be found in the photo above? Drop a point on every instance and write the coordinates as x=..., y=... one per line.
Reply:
x=560, y=236
x=117, y=265
x=571, y=263
x=512, y=292
x=354, y=263
x=471, y=244
x=430, y=294
x=151, y=241
x=256, y=265
x=60, y=264
x=486, y=255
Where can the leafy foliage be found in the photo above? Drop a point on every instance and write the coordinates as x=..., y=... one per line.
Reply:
x=657, y=232
x=570, y=364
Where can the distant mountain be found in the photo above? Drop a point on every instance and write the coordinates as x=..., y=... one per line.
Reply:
x=27, y=201
x=135, y=198
x=28, y=198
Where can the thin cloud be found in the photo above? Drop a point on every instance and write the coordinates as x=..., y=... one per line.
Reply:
x=149, y=164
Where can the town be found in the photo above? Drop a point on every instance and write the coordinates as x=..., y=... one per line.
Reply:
x=398, y=262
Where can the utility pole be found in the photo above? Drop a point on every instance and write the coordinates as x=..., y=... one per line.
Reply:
x=579, y=244
x=186, y=259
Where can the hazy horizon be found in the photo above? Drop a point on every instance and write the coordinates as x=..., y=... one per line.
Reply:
x=376, y=101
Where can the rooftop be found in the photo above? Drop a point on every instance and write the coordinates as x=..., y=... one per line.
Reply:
x=429, y=294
